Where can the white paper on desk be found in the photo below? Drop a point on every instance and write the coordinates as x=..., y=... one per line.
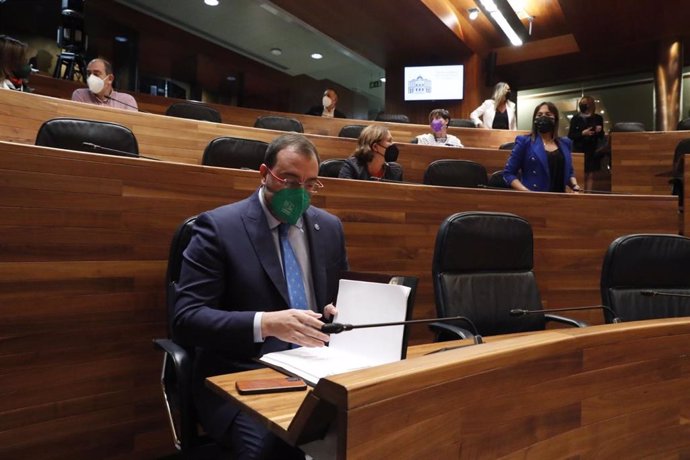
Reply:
x=359, y=302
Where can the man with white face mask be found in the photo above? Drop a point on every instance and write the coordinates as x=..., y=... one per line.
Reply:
x=100, y=91
x=327, y=108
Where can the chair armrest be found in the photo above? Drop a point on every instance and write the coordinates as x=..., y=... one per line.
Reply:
x=182, y=361
x=565, y=320
x=446, y=331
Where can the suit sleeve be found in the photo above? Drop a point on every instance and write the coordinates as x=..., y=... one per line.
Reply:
x=347, y=171
x=516, y=159
x=478, y=112
x=199, y=319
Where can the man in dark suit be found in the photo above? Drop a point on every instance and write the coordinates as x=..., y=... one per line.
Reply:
x=327, y=108
x=233, y=301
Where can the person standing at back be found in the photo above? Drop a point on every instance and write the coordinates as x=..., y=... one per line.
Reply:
x=586, y=131
x=497, y=112
x=100, y=91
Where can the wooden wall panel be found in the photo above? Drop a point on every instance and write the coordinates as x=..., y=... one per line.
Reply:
x=84, y=246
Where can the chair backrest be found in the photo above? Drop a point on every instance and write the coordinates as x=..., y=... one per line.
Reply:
x=393, y=117
x=676, y=181
x=455, y=173
x=642, y=262
x=75, y=134
x=496, y=180
x=628, y=126
x=482, y=268
x=461, y=123
x=231, y=152
x=683, y=125
x=279, y=123
x=351, y=131
x=507, y=146
x=331, y=168
x=409, y=281
x=193, y=110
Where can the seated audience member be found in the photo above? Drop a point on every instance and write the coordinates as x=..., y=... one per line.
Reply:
x=497, y=112
x=235, y=301
x=544, y=160
x=438, y=120
x=374, y=156
x=327, y=108
x=100, y=91
x=14, y=67
x=587, y=131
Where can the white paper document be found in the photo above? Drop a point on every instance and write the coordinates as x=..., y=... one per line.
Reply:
x=359, y=302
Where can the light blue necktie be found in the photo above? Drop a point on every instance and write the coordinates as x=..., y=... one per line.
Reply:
x=292, y=271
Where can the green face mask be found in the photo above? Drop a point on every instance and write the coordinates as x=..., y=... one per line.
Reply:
x=289, y=204
x=22, y=72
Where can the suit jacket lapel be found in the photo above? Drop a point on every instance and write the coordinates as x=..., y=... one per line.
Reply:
x=312, y=227
x=260, y=235
x=538, y=146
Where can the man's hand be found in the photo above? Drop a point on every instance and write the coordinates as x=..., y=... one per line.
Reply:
x=301, y=327
x=329, y=311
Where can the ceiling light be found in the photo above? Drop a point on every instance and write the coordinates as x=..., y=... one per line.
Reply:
x=491, y=8
x=276, y=51
x=316, y=56
x=121, y=39
x=473, y=13
x=382, y=79
x=211, y=2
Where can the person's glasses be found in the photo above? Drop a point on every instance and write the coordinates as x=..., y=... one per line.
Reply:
x=310, y=185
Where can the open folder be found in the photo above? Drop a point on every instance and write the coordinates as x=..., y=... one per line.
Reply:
x=359, y=302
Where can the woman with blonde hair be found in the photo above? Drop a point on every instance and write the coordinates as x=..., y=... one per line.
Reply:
x=374, y=158
x=497, y=112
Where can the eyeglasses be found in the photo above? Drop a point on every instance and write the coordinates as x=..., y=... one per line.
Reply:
x=310, y=185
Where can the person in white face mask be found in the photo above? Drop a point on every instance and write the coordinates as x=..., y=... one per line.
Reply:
x=100, y=88
x=327, y=108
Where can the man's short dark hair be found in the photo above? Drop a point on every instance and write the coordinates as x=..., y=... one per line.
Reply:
x=108, y=66
x=297, y=142
x=443, y=113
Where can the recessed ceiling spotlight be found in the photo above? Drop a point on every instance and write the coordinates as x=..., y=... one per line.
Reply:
x=212, y=2
x=276, y=51
x=121, y=39
x=473, y=13
x=382, y=79
x=317, y=56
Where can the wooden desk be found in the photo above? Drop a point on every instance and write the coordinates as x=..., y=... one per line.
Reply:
x=242, y=116
x=183, y=141
x=85, y=241
x=642, y=162
x=603, y=391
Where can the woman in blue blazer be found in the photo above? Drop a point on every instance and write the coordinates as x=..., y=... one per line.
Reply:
x=544, y=160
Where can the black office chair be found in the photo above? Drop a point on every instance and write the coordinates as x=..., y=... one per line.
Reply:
x=176, y=375
x=507, y=146
x=461, y=123
x=279, y=123
x=393, y=117
x=628, y=127
x=678, y=170
x=496, y=180
x=351, y=131
x=331, y=168
x=481, y=269
x=231, y=152
x=455, y=173
x=651, y=263
x=683, y=125
x=194, y=111
x=88, y=136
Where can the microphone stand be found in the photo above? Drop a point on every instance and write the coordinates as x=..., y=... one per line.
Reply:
x=522, y=312
x=651, y=293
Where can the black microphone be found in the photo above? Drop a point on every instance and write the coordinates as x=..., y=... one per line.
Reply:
x=651, y=293
x=125, y=104
x=336, y=328
x=100, y=149
x=522, y=312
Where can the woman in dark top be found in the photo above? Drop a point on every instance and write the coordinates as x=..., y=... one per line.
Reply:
x=374, y=157
x=544, y=160
x=586, y=130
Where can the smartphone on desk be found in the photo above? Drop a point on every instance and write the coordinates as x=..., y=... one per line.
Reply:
x=272, y=385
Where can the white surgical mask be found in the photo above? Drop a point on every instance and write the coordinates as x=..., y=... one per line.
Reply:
x=95, y=84
x=326, y=101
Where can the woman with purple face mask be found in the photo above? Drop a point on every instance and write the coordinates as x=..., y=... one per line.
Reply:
x=438, y=120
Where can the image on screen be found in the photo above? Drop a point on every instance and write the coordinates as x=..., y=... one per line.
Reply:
x=434, y=83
